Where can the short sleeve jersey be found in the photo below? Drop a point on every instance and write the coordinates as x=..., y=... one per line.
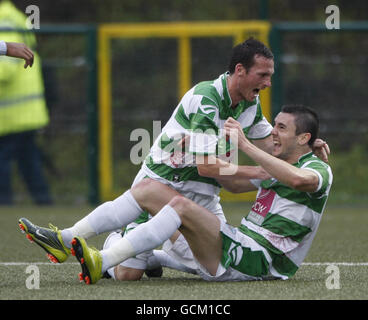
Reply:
x=201, y=115
x=285, y=220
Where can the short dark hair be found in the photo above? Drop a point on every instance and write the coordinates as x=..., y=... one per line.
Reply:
x=245, y=52
x=306, y=120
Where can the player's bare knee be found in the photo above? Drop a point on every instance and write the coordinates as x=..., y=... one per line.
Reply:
x=181, y=205
x=143, y=189
x=144, y=185
x=127, y=274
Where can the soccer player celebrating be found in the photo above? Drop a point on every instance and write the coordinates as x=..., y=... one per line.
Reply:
x=193, y=171
x=273, y=238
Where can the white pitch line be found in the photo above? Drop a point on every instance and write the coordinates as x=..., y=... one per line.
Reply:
x=348, y=264
x=36, y=263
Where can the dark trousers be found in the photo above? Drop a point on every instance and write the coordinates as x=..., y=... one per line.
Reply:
x=22, y=149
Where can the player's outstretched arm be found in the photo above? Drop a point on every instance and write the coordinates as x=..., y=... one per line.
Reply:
x=20, y=50
x=237, y=185
x=213, y=167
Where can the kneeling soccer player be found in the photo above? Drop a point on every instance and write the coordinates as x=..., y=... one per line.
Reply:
x=274, y=237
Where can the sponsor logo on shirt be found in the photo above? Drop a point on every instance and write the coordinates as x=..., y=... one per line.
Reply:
x=261, y=206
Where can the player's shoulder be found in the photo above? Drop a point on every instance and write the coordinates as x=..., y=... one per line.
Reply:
x=206, y=88
x=310, y=158
x=211, y=91
x=311, y=161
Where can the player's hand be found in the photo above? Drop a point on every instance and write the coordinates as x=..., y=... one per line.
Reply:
x=234, y=130
x=184, y=142
x=20, y=50
x=321, y=149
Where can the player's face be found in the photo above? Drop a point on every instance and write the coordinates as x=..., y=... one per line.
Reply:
x=285, y=141
x=255, y=79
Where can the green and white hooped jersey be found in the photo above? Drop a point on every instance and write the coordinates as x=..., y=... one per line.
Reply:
x=201, y=115
x=284, y=220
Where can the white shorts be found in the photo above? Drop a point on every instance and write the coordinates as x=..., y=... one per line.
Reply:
x=243, y=259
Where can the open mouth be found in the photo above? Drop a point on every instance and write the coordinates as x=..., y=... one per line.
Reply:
x=256, y=91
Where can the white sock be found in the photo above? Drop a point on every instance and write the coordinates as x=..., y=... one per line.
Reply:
x=160, y=257
x=109, y=216
x=146, y=236
x=153, y=233
x=117, y=253
x=81, y=228
x=110, y=240
x=111, y=272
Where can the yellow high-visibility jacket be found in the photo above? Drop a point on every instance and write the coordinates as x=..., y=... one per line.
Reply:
x=22, y=101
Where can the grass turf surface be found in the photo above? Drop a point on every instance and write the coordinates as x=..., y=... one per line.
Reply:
x=340, y=238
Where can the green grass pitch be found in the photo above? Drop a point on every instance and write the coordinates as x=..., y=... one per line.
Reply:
x=341, y=239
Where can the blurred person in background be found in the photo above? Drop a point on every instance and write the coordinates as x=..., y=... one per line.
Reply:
x=23, y=109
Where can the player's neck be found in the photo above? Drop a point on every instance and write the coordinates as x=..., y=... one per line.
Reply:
x=233, y=92
x=295, y=156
